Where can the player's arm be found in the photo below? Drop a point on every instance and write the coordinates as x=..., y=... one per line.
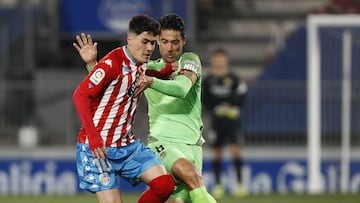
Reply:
x=82, y=101
x=87, y=50
x=88, y=89
x=165, y=73
x=188, y=75
x=240, y=93
x=179, y=86
x=82, y=96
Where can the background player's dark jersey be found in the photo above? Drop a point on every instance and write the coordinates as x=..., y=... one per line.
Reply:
x=228, y=90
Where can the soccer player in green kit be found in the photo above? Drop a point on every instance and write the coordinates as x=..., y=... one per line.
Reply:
x=174, y=111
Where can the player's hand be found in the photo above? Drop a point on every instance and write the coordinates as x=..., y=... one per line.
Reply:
x=171, y=70
x=225, y=110
x=221, y=110
x=99, y=153
x=167, y=72
x=86, y=48
x=142, y=82
x=233, y=112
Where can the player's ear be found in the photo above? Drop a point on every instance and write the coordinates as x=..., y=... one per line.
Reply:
x=129, y=37
x=158, y=39
x=184, y=40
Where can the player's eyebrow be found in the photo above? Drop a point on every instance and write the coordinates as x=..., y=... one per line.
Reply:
x=146, y=40
x=172, y=41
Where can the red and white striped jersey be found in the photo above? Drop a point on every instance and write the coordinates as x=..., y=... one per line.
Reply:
x=111, y=104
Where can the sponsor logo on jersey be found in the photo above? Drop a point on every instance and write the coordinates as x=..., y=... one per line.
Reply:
x=131, y=89
x=189, y=65
x=97, y=76
x=114, y=14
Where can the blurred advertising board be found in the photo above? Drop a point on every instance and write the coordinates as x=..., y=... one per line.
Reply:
x=112, y=16
x=56, y=175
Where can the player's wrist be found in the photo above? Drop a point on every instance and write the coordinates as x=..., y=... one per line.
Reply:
x=154, y=82
x=150, y=81
x=166, y=70
x=90, y=66
x=95, y=144
x=91, y=63
x=95, y=141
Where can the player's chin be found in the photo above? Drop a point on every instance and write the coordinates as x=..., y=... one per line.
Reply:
x=170, y=59
x=145, y=58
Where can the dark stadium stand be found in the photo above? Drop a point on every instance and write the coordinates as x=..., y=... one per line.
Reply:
x=281, y=109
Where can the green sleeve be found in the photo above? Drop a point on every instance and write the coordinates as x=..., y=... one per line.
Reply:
x=156, y=64
x=89, y=68
x=179, y=87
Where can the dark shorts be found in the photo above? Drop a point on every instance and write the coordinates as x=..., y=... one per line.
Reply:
x=222, y=137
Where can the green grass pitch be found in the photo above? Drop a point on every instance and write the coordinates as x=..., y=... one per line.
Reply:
x=132, y=198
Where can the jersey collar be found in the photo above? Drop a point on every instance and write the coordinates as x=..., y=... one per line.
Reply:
x=127, y=54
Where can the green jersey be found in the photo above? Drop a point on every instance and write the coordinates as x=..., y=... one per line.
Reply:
x=176, y=117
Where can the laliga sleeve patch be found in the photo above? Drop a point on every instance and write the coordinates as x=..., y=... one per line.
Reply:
x=97, y=76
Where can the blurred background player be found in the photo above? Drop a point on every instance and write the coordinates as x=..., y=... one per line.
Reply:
x=223, y=96
x=106, y=105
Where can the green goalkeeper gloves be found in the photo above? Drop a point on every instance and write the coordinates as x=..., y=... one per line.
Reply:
x=225, y=110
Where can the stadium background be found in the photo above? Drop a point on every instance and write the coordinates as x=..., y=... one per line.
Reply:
x=266, y=39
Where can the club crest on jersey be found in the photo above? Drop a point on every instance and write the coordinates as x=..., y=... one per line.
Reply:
x=97, y=76
x=104, y=178
x=189, y=65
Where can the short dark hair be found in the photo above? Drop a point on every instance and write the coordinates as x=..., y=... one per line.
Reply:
x=143, y=23
x=172, y=22
x=220, y=51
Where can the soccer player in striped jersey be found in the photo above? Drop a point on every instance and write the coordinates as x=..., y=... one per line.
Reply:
x=106, y=105
x=174, y=110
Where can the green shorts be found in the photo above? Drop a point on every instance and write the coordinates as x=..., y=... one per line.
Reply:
x=169, y=152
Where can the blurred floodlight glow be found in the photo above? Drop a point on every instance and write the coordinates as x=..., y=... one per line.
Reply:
x=28, y=137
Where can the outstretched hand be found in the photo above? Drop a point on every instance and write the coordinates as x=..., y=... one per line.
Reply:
x=86, y=48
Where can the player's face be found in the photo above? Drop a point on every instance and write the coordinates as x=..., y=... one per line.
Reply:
x=170, y=45
x=219, y=64
x=141, y=46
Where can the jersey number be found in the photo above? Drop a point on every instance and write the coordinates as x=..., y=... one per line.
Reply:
x=159, y=148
